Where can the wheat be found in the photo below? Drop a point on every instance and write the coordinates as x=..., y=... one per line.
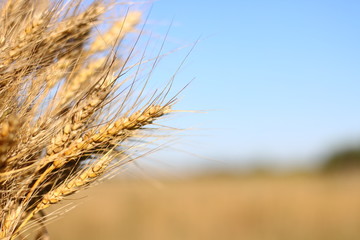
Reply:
x=66, y=111
x=117, y=32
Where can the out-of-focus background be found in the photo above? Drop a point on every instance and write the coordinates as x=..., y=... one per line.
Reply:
x=272, y=151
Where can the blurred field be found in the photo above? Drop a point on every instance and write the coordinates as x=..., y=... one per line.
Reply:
x=249, y=208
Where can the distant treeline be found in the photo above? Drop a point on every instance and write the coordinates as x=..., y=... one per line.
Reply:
x=346, y=159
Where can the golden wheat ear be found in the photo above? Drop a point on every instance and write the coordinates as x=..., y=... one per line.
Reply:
x=70, y=112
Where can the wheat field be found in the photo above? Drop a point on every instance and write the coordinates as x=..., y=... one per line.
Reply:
x=212, y=208
x=76, y=106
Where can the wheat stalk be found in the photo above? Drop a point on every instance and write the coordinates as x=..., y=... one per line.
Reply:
x=66, y=111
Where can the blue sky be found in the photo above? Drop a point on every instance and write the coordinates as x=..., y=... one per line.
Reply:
x=280, y=80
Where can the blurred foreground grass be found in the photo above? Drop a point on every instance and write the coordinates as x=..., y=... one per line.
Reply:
x=249, y=208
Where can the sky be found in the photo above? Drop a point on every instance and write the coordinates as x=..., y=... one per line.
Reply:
x=274, y=82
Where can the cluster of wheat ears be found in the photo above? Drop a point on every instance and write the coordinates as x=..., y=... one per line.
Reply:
x=71, y=109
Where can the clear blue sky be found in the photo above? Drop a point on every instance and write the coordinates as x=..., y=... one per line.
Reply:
x=281, y=79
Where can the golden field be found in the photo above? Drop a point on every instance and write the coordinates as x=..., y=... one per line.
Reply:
x=307, y=207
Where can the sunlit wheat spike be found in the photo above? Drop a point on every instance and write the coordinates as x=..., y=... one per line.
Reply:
x=117, y=32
